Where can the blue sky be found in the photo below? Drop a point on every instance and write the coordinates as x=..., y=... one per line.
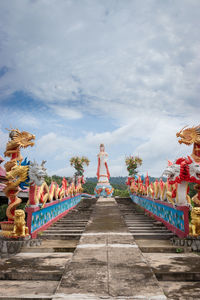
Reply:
x=80, y=73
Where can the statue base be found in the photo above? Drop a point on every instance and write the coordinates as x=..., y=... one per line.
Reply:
x=103, y=190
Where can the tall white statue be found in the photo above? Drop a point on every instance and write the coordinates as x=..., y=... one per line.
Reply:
x=103, y=187
x=103, y=174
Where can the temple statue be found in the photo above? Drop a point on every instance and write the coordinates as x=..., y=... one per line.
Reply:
x=103, y=187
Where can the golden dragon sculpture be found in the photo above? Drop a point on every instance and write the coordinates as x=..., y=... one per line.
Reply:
x=15, y=172
x=191, y=136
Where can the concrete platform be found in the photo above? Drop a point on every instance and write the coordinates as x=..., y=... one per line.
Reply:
x=159, y=246
x=34, y=266
x=159, y=236
x=49, y=246
x=18, y=289
x=107, y=264
x=169, y=266
x=181, y=290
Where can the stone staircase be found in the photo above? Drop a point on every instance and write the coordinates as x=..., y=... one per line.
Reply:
x=35, y=273
x=71, y=226
x=122, y=254
x=141, y=225
x=176, y=268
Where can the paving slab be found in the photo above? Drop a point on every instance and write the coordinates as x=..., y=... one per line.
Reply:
x=27, y=289
x=34, y=266
x=179, y=266
x=181, y=290
x=49, y=246
x=107, y=262
x=159, y=246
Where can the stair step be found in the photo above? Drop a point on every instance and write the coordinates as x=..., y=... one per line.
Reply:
x=50, y=236
x=65, y=230
x=150, y=231
x=149, y=228
x=66, y=227
x=154, y=236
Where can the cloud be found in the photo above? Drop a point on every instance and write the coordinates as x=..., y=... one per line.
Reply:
x=30, y=121
x=154, y=141
x=3, y=141
x=134, y=66
x=65, y=112
x=105, y=57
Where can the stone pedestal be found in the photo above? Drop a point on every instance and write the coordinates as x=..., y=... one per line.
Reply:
x=12, y=246
x=103, y=190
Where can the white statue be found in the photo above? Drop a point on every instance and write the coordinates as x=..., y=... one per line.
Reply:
x=103, y=174
x=103, y=187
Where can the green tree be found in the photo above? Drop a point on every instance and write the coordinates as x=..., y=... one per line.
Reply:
x=132, y=163
x=78, y=164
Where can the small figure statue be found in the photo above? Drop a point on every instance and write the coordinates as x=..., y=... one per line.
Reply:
x=195, y=222
x=20, y=229
x=103, y=187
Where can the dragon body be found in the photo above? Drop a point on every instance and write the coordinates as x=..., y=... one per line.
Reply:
x=191, y=136
x=16, y=173
x=181, y=172
x=41, y=193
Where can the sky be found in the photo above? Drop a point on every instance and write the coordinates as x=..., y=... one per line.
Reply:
x=77, y=73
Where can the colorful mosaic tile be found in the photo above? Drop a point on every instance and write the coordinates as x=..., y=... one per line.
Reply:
x=41, y=217
x=169, y=214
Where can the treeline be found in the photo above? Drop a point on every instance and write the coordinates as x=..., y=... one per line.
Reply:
x=118, y=183
x=122, y=179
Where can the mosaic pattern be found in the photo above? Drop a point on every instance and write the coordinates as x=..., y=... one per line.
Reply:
x=103, y=190
x=169, y=214
x=41, y=217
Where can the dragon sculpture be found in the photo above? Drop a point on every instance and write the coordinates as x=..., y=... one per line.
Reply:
x=17, y=175
x=182, y=171
x=40, y=193
x=16, y=171
x=17, y=141
x=191, y=136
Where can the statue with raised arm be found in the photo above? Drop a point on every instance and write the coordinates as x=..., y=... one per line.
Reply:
x=103, y=187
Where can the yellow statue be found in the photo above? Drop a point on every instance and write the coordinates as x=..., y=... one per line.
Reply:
x=15, y=172
x=20, y=229
x=15, y=176
x=195, y=222
x=189, y=136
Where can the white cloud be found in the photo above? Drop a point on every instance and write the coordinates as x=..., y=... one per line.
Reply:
x=106, y=57
x=154, y=140
x=133, y=63
x=3, y=141
x=30, y=121
x=67, y=113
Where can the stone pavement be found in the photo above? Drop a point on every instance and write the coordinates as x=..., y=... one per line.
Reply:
x=107, y=263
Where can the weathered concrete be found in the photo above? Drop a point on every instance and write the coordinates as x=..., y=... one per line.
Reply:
x=34, y=266
x=49, y=246
x=36, y=271
x=18, y=289
x=158, y=246
x=180, y=266
x=107, y=262
x=12, y=246
x=178, y=290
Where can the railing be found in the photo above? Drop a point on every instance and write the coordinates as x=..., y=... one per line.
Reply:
x=175, y=219
x=39, y=219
